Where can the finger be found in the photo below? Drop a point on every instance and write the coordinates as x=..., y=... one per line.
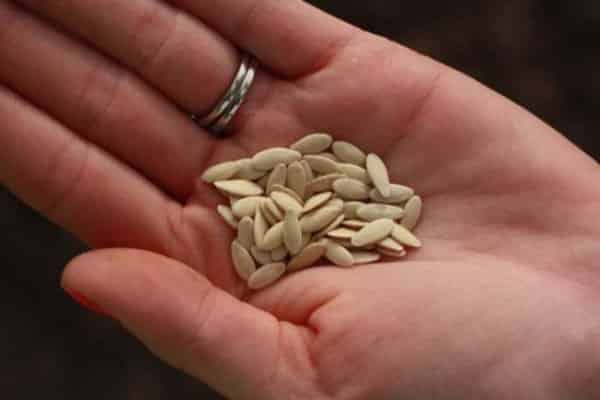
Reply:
x=176, y=53
x=291, y=37
x=239, y=350
x=76, y=184
x=100, y=101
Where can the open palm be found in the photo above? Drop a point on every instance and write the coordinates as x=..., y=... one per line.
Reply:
x=95, y=138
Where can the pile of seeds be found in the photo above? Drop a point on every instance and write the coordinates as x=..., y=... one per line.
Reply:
x=319, y=198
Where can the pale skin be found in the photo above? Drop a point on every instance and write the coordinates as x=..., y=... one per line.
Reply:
x=502, y=301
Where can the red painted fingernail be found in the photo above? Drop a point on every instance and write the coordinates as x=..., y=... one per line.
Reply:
x=86, y=303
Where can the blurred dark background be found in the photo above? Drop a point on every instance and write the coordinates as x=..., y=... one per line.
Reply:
x=542, y=54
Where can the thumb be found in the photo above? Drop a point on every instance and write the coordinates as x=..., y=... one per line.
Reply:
x=188, y=322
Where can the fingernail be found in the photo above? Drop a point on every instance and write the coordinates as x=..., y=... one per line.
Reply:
x=86, y=303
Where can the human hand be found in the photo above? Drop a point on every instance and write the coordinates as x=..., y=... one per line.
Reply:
x=501, y=301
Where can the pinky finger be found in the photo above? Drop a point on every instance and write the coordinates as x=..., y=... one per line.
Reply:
x=76, y=184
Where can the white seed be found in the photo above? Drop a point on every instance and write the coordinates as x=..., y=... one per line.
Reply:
x=289, y=192
x=351, y=189
x=319, y=219
x=323, y=183
x=339, y=255
x=227, y=215
x=390, y=245
x=404, y=236
x=355, y=224
x=393, y=254
x=373, y=233
x=273, y=238
x=242, y=260
x=398, y=194
x=270, y=208
x=341, y=233
x=279, y=254
x=277, y=177
x=333, y=225
x=365, y=257
x=372, y=212
x=317, y=201
x=337, y=203
x=246, y=233
x=322, y=165
x=261, y=257
x=221, y=172
x=308, y=172
x=266, y=160
x=233, y=200
x=248, y=172
x=296, y=179
x=354, y=172
x=247, y=206
x=331, y=156
x=307, y=257
x=412, y=212
x=266, y=276
x=350, y=208
x=313, y=144
x=292, y=233
x=379, y=174
x=286, y=202
x=239, y=187
x=349, y=153
x=260, y=227
x=267, y=214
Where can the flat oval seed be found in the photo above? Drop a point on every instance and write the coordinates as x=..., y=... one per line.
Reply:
x=317, y=201
x=273, y=238
x=271, y=208
x=365, y=257
x=390, y=245
x=319, y=219
x=355, y=224
x=261, y=257
x=354, y=172
x=323, y=183
x=341, y=233
x=296, y=179
x=278, y=177
x=333, y=225
x=349, y=153
x=313, y=144
x=373, y=233
x=246, y=233
x=339, y=255
x=286, y=202
x=393, y=254
x=248, y=172
x=227, y=215
x=398, y=194
x=266, y=160
x=350, y=208
x=242, y=261
x=307, y=171
x=260, y=227
x=267, y=214
x=307, y=257
x=239, y=187
x=412, y=212
x=266, y=276
x=279, y=254
x=292, y=233
x=322, y=165
x=247, y=206
x=289, y=192
x=372, y=212
x=337, y=203
x=331, y=156
x=379, y=174
x=404, y=236
x=351, y=189
x=221, y=172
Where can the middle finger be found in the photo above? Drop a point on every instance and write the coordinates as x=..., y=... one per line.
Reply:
x=167, y=47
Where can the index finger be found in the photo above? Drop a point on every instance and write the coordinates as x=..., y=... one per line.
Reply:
x=290, y=37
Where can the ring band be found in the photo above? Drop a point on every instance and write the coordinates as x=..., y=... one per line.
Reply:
x=218, y=119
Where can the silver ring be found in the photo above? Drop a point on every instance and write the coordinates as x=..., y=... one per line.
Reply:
x=218, y=119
